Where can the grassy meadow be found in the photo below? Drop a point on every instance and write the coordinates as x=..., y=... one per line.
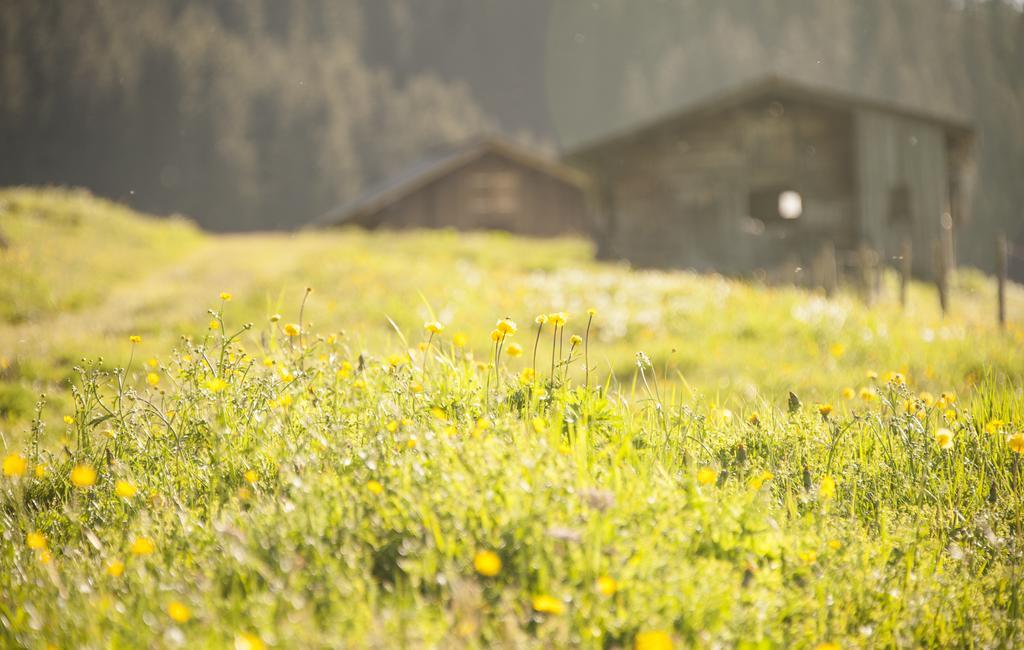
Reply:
x=349, y=439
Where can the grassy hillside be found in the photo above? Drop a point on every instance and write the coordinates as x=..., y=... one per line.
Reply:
x=342, y=473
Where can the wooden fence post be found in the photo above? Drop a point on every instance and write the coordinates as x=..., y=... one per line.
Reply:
x=1001, y=270
x=941, y=276
x=906, y=259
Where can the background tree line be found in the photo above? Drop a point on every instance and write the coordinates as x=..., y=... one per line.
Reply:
x=263, y=113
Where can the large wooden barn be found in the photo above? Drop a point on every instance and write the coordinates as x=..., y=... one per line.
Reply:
x=767, y=174
x=486, y=183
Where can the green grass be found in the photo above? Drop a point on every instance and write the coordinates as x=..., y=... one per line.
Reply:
x=334, y=488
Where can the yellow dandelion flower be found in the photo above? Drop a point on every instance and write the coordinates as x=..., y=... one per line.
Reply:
x=15, y=465
x=374, y=487
x=214, y=325
x=868, y=394
x=607, y=586
x=496, y=335
x=115, y=568
x=439, y=413
x=827, y=489
x=35, y=541
x=83, y=476
x=558, y=319
x=706, y=476
x=251, y=476
x=927, y=398
x=849, y=393
x=575, y=339
x=949, y=397
x=395, y=360
x=754, y=419
x=411, y=442
x=548, y=605
x=994, y=426
x=652, y=640
x=514, y=350
x=143, y=546
x=460, y=339
x=944, y=438
x=808, y=557
x=591, y=312
x=135, y=338
x=541, y=319
x=44, y=556
x=291, y=330
x=215, y=384
x=757, y=481
x=527, y=376
x=152, y=362
x=825, y=410
x=433, y=326
x=249, y=641
x=835, y=544
x=506, y=326
x=40, y=471
x=1016, y=442
x=69, y=419
x=152, y=379
x=487, y=563
x=179, y=612
x=837, y=350
x=125, y=490
x=225, y=296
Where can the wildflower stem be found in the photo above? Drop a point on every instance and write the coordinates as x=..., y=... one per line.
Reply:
x=586, y=352
x=536, y=344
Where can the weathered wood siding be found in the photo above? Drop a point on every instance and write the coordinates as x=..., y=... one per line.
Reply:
x=896, y=152
x=531, y=202
x=679, y=195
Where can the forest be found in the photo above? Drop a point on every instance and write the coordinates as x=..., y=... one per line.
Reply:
x=262, y=115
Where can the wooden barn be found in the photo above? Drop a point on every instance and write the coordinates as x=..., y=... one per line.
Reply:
x=768, y=174
x=487, y=183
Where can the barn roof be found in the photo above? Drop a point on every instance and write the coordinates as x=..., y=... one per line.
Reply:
x=426, y=170
x=784, y=88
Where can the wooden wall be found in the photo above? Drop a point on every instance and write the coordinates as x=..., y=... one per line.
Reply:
x=678, y=195
x=531, y=202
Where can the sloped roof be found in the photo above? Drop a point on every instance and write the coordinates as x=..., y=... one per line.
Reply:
x=426, y=170
x=782, y=87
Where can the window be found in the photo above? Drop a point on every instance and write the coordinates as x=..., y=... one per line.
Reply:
x=494, y=193
x=776, y=204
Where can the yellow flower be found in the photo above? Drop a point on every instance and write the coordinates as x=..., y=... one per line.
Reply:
x=825, y=410
x=125, y=490
x=706, y=476
x=575, y=339
x=35, y=541
x=142, y=546
x=896, y=378
x=215, y=384
x=249, y=641
x=179, y=612
x=652, y=640
x=83, y=476
x=225, y=296
x=548, y=605
x=439, y=413
x=849, y=393
x=527, y=376
x=827, y=489
x=251, y=476
x=541, y=319
x=827, y=645
x=135, y=338
x=835, y=544
x=514, y=350
x=214, y=325
x=868, y=394
x=374, y=487
x=44, y=556
x=395, y=360
x=152, y=362
x=754, y=419
x=607, y=586
x=69, y=419
x=944, y=438
x=487, y=563
x=591, y=312
x=949, y=397
x=291, y=330
x=871, y=375
x=994, y=426
x=115, y=568
x=927, y=398
x=758, y=481
x=152, y=379
x=40, y=471
x=460, y=339
x=1016, y=442
x=558, y=318
x=416, y=387
x=496, y=335
x=506, y=326
x=433, y=326
x=15, y=465
x=837, y=350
